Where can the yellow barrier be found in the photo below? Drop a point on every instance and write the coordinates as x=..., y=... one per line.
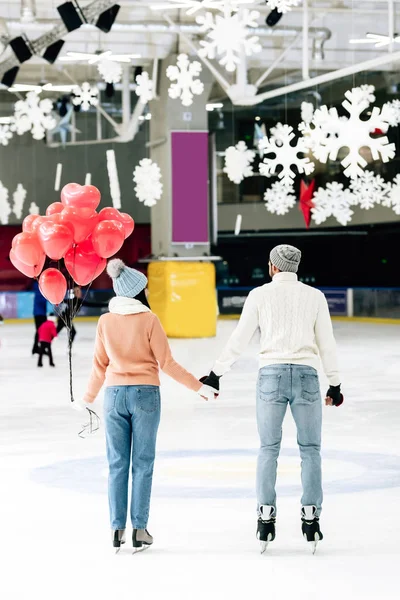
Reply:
x=183, y=296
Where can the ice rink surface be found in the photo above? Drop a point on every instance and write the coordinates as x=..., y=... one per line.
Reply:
x=55, y=540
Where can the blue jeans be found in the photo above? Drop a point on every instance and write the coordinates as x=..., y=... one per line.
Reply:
x=131, y=416
x=298, y=386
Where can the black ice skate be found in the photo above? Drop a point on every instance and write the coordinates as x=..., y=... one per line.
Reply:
x=118, y=538
x=141, y=540
x=310, y=526
x=266, y=526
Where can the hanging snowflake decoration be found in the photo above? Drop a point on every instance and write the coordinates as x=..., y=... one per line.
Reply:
x=184, y=73
x=328, y=133
x=393, y=196
x=332, y=201
x=33, y=209
x=285, y=155
x=19, y=197
x=145, y=87
x=307, y=112
x=5, y=134
x=392, y=112
x=279, y=198
x=369, y=189
x=34, y=115
x=147, y=176
x=5, y=208
x=364, y=92
x=110, y=70
x=282, y=6
x=227, y=34
x=238, y=161
x=85, y=96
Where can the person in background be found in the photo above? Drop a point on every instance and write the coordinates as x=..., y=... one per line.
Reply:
x=39, y=314
x=46, y=333
x=296, y=332
x=131, y=347
x=71, y=308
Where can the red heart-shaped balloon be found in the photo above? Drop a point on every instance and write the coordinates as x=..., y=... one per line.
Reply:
x=83, y=220
x=54, y=208
x=80, y=196
x=28, y=250
x=26, y=269
x=83, y=264
x=55, y=239
x=27, y=223
x=53, y=285
x=112, y=214
x=107, y=238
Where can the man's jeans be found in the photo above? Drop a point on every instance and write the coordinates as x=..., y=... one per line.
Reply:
x=298, y=386
x=132, y=416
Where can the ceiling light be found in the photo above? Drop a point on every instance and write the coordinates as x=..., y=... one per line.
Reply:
x=71, y=15
x=10, y=76
x=20, y=87
x=107, y=18
x=22, y=48
x=93, y=58
x=377, y=39
x=211, y=106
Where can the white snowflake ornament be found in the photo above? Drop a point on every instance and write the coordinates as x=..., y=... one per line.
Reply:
x=19, y=197
x=33, y=209
x=85, y=96
x=307, y=112
x=5, y=208
x=145, y=87
x=282, y=6
x=279, y=198
x=332, y=201
x=369, y=189
x=110, y=70
x=238, y=161
x=147, y=176
x=184, y=73
x=328, y=133
x=285, y=155
x=393, y=196
x=5, y=134
x=227, y=34
x=34, y=115
x=392, y=112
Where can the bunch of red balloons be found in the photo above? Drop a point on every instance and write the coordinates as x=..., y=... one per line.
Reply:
x=71, y=230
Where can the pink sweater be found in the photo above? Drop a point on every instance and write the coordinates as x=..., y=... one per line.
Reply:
x=129, y=350
x=47, y=332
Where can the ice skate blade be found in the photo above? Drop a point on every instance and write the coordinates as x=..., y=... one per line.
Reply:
x=312, y=543
x=142, y=549
x=264, y=545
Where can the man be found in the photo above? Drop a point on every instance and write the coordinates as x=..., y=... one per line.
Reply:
x=39, y=314
x=296, y=330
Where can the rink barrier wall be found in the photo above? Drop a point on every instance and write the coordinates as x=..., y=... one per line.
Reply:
x=379, y=305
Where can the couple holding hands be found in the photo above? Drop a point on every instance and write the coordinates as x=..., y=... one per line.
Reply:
x=131, y=346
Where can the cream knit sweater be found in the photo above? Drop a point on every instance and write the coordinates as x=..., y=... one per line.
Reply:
x=295, y=327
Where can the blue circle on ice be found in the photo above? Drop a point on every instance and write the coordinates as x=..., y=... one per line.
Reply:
x=229, y=473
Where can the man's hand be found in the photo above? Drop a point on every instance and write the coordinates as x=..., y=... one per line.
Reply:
x=334, y=396
x=212, y=380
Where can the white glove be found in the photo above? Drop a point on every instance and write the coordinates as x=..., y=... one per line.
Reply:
x=79, y=405
x=207, y=392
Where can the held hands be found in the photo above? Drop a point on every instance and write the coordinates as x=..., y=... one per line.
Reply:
x=210, y=389
x=334, y=396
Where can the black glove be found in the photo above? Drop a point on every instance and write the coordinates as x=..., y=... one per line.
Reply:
x=335, y=395
x=212, y=380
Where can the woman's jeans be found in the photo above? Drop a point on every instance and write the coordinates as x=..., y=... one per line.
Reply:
x=298, y=386
x=132, y=416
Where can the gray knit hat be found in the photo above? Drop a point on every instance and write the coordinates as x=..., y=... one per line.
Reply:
x=127, y=282
x=285, y=258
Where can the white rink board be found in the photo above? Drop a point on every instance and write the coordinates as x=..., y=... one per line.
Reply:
x=55, y=540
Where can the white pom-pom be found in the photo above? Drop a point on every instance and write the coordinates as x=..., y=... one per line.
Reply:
x=115, y=267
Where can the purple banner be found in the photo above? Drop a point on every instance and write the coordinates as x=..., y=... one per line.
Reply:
x=189, y=151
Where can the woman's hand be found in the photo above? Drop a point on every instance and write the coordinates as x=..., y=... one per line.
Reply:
x=207, y=392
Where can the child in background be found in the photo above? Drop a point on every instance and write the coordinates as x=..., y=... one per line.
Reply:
x=46, y=333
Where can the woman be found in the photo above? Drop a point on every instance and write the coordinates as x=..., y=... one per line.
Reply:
x=130, y=347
